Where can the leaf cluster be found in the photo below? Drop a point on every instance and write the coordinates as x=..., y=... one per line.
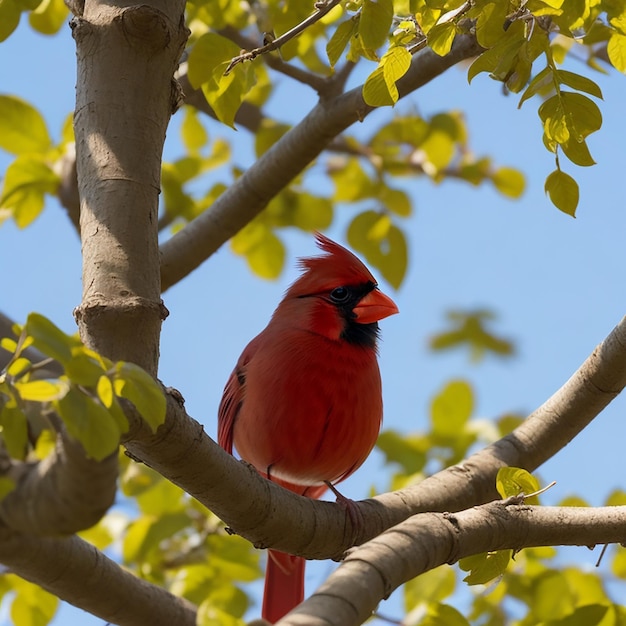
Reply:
x=87, y=397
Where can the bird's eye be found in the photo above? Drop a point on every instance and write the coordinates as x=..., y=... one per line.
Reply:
x=339, y=295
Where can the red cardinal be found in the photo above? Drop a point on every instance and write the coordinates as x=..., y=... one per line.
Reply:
x=304, y=404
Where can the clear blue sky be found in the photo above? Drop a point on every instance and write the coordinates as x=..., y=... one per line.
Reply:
x=556, y=283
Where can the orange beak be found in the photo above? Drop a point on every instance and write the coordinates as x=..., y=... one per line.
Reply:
x=373, y=307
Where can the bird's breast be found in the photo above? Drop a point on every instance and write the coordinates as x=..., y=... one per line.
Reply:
x=312, y=408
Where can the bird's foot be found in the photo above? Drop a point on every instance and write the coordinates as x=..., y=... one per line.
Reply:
x=351, y=508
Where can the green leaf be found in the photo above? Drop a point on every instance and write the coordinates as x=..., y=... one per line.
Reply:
x=584, y=114
x=10, y=13
x=22, y=128
x=396, y=201
x=578, y=82
x=86, y=366
x=588, y=615
x=380, y=86
x=233, y=557
x=443, y=615
x=375, y=22
x=514, y=481
x=616, y=49
x=409, y=452
x=340, y=39
x=210, y=615
x=552, y=596
x=49, y=339
x=382, y=243
x=146, y=533
x=7, y=485
x=577, y=152
x=208, y=60
x=441, y=37
x=135, y=384
x=14, y=431
x=192, y=131
x=537, y=84
x=42, y=390
x=451, y=409
x=485, y=567
x=89, y=422
x=352, y=183
x=49, y=16
x=500, y=59
x=563, y=191
x=509, y=182
x=376, y=91
x=264, y=251
x=162, y=498
x=469, y=328
x=490, y=23
x=432, y=586
x=26, y=182
x=395, y=63
x=32, y=605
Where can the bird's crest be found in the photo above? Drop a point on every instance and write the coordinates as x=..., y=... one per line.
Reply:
x=338, y=266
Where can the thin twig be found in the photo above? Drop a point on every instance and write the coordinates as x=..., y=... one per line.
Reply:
x=322, y=7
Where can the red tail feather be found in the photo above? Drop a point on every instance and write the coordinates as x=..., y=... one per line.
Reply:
x=284, y=585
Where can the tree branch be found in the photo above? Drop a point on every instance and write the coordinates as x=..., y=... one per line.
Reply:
x=289, y=156
x=63, y=494
x=124, y=100
x=268, y=515
x=78, y=573
x=322, y=8
x=370, y=573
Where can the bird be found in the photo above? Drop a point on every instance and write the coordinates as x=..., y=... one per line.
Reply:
x=304, y=402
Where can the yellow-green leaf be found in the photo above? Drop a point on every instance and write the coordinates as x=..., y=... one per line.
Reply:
x=514, y=481
x=432, y=586
x=375, y=22
x=135, y=384
x=267, y=257
x=441, y=37
x=32, y=605
x=192, y=131
x=443, y=615
x=7, y=485
x=89, y=422
x=340, y=39
x=485, y=567
x=208, y=60
x=451, y=408
x=22, y=128
x=578, y=82
x=49, y=16
x=226, y=98
x=42, y=390
x=14, y=431
x=563, y=191
x=490, y=23
x=375, y=90
x=616, y=49
x=382, y=243
x=48, y=338
x=26, y=182
x=10, y=13
x=509, y=182
x=395, y=63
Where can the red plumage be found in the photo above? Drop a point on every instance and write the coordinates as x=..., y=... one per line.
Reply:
x=304, y=404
